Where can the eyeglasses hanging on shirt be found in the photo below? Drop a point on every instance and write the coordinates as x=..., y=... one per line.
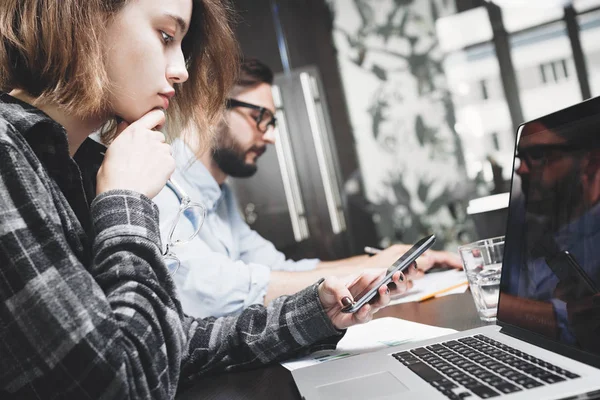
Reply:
x=184, y=227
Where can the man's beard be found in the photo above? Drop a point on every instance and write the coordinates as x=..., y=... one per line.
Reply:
x=231, y=158
x=549, y=210
x=559, y=204
x=233, y=163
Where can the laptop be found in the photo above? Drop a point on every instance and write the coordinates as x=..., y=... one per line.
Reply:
x=546, y=343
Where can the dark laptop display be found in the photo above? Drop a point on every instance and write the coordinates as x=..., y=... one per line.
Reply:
x=551, y=269
x=549, y=296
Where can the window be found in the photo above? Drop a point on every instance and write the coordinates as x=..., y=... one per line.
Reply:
x=495, y=141
x=554, y=71
x=565, y=69
x=474, y=80
x=543, y=72
x=590, y=28
x=543, y=68
x=484, y=89
x=542, y=57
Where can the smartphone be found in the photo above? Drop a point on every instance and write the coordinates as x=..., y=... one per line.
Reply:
x=567, y=269
x=400, y=264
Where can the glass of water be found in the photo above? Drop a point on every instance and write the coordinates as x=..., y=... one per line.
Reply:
x=482, y=261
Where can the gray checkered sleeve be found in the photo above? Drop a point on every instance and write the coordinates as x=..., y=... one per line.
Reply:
x=113, y=328
x=289, y=326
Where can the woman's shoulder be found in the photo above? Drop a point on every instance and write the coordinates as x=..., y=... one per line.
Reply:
x=21, y=171
x=15, y=151
x=10, y=138
x=17, y=119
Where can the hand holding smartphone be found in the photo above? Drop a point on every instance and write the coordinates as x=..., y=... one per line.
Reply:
x=401, y=265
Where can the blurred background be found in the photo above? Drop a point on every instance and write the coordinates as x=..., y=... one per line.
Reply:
x=398, y=118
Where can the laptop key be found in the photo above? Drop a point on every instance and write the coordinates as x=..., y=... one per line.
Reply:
x=426, y=373
x=450, y=394
x=550, y=378
x=470, y=382
x=501, y=370
x=520, y=364
x=479, y=372
x=538, y=373
x=529, y=369
x=473, y=370
x=455, y=374
x=407, y=361
x=517, y=376
x=483, y=391
x=445, y=383
x=495, y=381
x=530, y=384
x=421, y=352
x=512, y=374
x=507, y=388
x=435, y=347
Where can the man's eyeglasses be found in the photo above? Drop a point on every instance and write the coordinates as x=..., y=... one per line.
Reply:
x=184, y=227
x=264, y=119
x=539, y=155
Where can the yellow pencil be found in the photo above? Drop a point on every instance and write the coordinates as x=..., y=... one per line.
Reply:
x=431, y=295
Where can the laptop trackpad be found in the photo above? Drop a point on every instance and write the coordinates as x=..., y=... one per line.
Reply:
x=374, y=386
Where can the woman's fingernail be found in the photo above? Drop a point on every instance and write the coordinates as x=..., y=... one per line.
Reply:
x=402, y=277
x=415, y=265
x=346, y=301
x=387, y=291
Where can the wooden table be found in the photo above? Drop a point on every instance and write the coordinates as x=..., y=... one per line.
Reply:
x=275, y=382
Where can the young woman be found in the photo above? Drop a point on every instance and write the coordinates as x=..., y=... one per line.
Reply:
x=87, y=307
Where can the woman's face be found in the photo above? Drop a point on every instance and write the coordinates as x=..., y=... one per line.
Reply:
x=144, y=57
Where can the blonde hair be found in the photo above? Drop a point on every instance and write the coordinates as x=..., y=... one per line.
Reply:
x=52, y=49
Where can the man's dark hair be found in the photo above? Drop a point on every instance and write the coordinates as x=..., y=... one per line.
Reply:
x=254, y=72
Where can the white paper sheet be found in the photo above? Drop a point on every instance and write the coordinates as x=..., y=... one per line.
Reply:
x=435, y=282
x=375, y=335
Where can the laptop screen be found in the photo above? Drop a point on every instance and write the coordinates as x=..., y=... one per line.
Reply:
x=551, y=270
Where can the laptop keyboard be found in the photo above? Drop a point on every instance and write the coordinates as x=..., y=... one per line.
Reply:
x=480, y=367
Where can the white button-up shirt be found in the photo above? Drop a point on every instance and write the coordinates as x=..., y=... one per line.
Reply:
x=227, y=266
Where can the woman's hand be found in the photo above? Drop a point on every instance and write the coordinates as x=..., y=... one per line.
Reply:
x=336, y=294
x=138, y=159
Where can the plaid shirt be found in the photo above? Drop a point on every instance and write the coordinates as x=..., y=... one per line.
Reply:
x=87, y=308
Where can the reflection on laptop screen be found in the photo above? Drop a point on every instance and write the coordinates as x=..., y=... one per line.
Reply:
x=551, y=269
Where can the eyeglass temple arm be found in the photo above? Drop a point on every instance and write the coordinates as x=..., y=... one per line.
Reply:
x=176, y=188
x=171, y=184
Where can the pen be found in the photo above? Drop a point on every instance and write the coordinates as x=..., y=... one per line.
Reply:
x=432, y=295
x=372, y=250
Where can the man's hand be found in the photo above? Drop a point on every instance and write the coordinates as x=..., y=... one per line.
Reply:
x=336, y=294
x=429, y=259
